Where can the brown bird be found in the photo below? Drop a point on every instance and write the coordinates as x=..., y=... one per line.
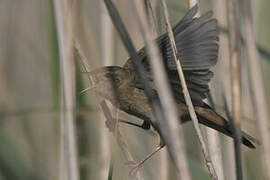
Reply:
x=197, y=44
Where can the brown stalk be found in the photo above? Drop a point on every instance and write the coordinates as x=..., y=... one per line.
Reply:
x=187, y=96
x=173, y=129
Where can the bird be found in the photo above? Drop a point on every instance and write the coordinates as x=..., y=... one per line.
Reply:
x=197, y=42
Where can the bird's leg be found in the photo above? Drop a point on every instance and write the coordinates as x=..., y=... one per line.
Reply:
x=136, y=167
x=146, y=125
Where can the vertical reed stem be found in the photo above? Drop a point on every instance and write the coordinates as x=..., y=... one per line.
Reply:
x=64, y=23
x=236, y=83
x=259, y=99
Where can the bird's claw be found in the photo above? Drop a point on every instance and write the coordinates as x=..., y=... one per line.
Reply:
x=133, y=172
x=134, y=168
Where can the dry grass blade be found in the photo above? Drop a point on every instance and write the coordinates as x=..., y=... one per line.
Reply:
x=170, y=128
x=64, y=23
x=255, y=76
x=187, y=96
x=151, y=11
x=214, y=145
x=223, y=80
x=215, y=152
x=152, y=8
x=107, y=59
x=192, y=3
x=236, y=83
x=83, y=58
x=214, y=141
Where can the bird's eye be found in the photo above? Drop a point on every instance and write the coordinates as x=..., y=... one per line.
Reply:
x=116, y=81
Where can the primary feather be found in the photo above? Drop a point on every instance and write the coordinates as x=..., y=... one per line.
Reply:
x=197, y=45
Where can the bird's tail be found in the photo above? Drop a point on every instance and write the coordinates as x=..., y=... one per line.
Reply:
x=210, y=118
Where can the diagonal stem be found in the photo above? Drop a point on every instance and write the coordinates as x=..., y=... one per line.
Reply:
x=187, y=95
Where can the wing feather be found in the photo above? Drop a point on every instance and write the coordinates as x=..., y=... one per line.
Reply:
x=197, y=45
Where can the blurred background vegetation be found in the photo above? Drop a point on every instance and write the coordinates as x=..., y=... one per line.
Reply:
x=30, y=95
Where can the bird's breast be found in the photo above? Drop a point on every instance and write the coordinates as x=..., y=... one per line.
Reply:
x=136, y=103
x=133, y=101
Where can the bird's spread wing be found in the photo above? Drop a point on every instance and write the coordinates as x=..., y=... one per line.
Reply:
x=197, y=45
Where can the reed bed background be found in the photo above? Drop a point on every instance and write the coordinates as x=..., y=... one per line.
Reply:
x=39, y=92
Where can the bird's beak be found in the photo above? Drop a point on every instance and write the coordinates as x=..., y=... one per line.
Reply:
x=92, y=86
x=87, y=89
x=104, y=81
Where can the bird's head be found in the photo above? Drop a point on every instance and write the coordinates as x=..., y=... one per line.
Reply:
x=107, y=81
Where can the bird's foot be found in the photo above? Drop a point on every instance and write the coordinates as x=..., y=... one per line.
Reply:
x=136, y=165
x=134, y=168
